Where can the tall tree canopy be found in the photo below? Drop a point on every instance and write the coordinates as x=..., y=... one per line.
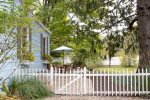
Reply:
x=115, y=18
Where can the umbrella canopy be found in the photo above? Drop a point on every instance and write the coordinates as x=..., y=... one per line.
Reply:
x=63, y=49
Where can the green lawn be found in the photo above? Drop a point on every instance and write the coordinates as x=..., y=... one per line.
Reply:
x=114, y=69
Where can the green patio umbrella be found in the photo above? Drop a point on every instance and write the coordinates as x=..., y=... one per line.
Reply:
x=62, y=49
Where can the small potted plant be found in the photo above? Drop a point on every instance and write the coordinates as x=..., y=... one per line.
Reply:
x=58, y=64
x=47, y=59
x=27, y=58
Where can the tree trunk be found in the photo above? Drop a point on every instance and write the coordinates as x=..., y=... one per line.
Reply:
x=143, y=12
x=129, y=60
x=109, y=62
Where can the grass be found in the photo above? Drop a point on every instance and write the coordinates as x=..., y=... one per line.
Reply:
x=114, y=69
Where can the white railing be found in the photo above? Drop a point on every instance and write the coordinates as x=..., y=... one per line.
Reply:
x=84, y=82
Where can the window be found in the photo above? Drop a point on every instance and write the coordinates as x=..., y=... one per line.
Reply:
x=24, y=41
x=44, y=45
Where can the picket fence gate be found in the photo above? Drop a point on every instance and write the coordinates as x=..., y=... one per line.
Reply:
x=84, y=82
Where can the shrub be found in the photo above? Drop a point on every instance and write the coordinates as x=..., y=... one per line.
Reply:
x=5, y=87
x=128, y=62
x=93, y=62
x=2, y=95
x=79, y=57
x=29, y=88
x=47, y=57
x=58, y=62
x=28, y=56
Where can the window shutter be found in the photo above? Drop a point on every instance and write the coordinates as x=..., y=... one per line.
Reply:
x=41, y=46
x=44, y=46
x=47, y=46
x=18, y=43
x=30, y=40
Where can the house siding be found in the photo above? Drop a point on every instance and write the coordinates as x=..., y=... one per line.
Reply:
x=6, y=68
x=36, y=46
x=10, y=65
x=13, y=63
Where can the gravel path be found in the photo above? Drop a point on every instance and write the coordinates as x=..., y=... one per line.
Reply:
x=92, y=98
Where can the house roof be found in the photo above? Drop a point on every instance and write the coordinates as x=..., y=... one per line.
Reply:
x=44, y=27
x=38, y=22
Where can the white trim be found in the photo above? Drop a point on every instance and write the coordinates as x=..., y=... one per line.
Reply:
x=37, y=21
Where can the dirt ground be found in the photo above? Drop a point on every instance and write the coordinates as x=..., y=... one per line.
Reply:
x=93, y=98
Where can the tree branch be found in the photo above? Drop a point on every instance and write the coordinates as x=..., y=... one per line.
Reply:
x=132, y=22
x=113, y=24
x=10, y=74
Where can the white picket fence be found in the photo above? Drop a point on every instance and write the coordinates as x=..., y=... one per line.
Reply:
x=84, y=82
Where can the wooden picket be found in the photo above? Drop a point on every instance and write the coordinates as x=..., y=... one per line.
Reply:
x=98, y=83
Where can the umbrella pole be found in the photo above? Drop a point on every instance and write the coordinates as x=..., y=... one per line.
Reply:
x=63, y=56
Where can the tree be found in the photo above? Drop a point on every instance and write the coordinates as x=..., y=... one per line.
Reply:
x=106, y=16
x=143, y=12
x=66, y=31
x=116, y=19
x=112, y=18
x=12, y=18
x=8, y=39
x=54, y=16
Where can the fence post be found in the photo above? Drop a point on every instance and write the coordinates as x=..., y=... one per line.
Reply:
x=51, y=75
x=146, y=83
x=84, y=80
